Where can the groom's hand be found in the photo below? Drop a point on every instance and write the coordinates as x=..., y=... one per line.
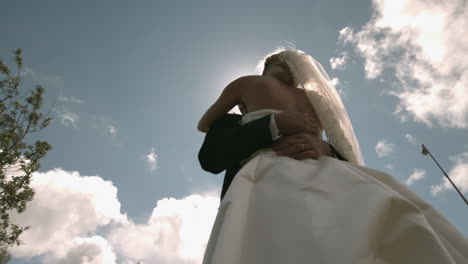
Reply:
x=302, y=146
x=289, y=123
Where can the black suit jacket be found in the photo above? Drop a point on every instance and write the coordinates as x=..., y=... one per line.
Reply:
x=228, y=142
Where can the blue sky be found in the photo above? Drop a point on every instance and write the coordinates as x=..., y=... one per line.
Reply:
x=128, y=82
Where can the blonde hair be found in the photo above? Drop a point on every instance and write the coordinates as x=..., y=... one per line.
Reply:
x=269, y=60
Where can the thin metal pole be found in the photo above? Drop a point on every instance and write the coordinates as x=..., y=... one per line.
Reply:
x=425, y=152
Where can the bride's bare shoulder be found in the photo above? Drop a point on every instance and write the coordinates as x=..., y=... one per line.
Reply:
x=255, y=79
x=248, y=78
x=246, y=81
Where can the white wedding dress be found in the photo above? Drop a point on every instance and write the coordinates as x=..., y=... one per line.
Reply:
x=283, y=211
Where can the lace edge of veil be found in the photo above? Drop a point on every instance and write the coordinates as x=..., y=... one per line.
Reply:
x=333, y=128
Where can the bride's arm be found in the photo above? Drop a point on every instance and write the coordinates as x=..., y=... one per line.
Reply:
x=229, y=98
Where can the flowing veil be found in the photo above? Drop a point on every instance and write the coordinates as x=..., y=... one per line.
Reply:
x=314, y=80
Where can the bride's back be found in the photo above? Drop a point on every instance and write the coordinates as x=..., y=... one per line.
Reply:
x=266, y=92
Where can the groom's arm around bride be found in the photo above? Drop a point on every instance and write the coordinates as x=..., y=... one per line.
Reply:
x=228, y=142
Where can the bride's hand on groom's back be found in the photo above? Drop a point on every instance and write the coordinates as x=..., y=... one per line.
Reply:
x=289, y=123
x=302, y=146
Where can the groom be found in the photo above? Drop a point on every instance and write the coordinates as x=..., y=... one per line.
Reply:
x=289, y=134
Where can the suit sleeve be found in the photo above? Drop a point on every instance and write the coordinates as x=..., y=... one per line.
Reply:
x=227, y=142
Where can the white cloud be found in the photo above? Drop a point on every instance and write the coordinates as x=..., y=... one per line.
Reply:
x=68, y=118
x=66, y=206
x=410, y=138
x=70, y=100
x=389, y=166
x=339, y=63
x=176, y=232
x=458, y=174
x=418, y=174
x=335, y=81
x=423, y=42
x=112, y=130
x=88, y=250
x=69, y=210
x=384, y=148
x=152, y=159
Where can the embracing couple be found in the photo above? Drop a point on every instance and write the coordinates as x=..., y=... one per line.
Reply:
x=288, y=196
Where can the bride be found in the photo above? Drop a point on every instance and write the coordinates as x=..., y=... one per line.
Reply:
x=282, y=210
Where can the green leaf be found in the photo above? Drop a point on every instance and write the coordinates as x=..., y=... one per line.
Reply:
x=18, y=119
